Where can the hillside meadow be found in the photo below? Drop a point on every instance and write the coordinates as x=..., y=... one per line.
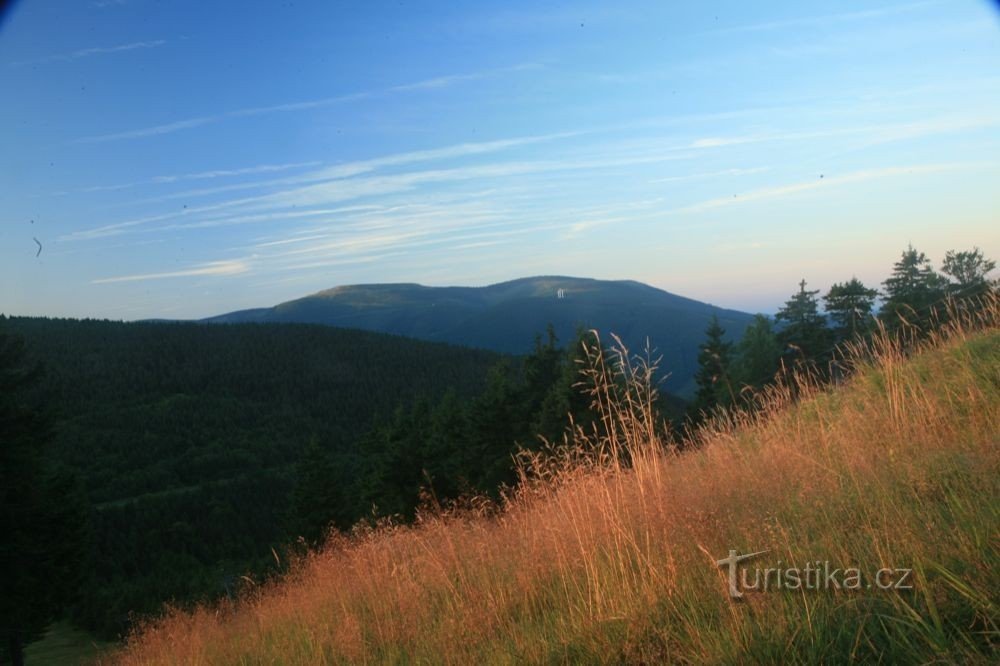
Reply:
x=608, y=551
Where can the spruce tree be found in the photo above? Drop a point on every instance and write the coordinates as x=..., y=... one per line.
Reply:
x=567, y=397
x=804, y=335
x=912, y=291
x=542, y=370
x=758, y=354
x=850, y=305
x=715, y=387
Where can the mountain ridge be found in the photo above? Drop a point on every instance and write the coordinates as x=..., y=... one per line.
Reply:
x=507, y=316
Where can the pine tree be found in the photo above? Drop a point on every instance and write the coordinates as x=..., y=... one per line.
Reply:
x=714, y=384
x=42, y=516
x=542, y=369
x=912, y=291
x=566, y=398
x=758, y=354
x=805, y=335
x=850, y=305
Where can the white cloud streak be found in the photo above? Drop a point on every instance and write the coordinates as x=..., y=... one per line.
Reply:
x=350, y=181
x=200, y=175
x=212, y=268
x=710, y=174
x=426, y=84
x=152, y=131
x=96, y=50
x=331, y=178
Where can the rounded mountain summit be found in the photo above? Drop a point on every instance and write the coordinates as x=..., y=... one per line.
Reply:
x=506, y=317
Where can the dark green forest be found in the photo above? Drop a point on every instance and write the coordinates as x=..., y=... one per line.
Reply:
x=187, y=440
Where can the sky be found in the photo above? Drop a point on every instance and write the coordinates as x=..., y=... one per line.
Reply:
x=183, y=159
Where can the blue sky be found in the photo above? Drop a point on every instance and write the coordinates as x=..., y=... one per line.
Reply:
x=181, y=159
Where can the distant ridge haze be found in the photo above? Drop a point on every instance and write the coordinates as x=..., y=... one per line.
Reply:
x=507, y=317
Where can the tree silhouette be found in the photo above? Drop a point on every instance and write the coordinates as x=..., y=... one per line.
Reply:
x=911, y=291
x=758, y=354
x=850, y=305
x=969, y=271
x=805, y=334
x=715, y=387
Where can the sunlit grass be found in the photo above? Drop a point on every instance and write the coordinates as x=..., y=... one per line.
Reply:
x=607, y=552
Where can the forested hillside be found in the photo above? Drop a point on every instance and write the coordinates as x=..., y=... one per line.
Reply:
x=207, y=453
x=188, y=439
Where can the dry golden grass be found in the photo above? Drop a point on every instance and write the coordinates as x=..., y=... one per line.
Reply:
x=607, y=552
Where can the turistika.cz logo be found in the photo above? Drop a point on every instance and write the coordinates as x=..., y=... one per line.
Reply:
x=816, y=575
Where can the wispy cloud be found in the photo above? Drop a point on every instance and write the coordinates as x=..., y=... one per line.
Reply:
x=825, y=19
x=426, y=84
x=333, y=180
x=578, y=228
x=710, y=174
x=445, y=81
x=92, y=51
x=337, y=184
x=876, y=134
x=212, y=268
x=347, y=189
x=151, y=131
x=480, y=244
x=198, y=175
x=782, y=191
x=221, y=173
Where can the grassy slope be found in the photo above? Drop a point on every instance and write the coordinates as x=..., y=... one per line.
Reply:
x=64, y=644
x=898, y=468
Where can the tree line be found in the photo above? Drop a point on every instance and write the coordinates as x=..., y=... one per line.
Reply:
x=452, y=447
x=802, y=333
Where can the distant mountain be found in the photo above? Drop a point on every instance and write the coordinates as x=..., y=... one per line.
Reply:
x=506, y=317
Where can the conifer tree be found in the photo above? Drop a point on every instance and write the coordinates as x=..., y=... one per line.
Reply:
x=850, y=305
x=715, y=387
x=542, y=369
x=758, y=354
x=566, y=397
x=495, y=419
x=912, y=291
x=805, y=335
